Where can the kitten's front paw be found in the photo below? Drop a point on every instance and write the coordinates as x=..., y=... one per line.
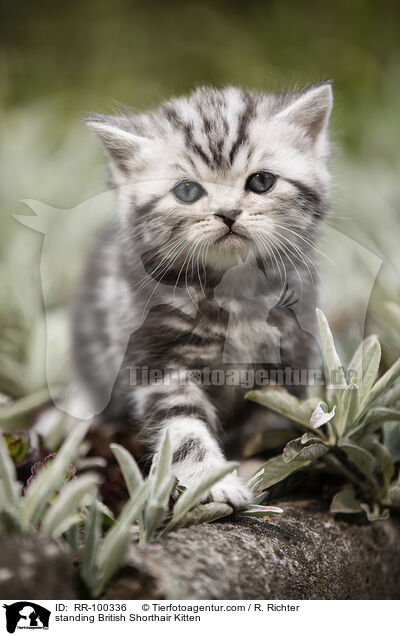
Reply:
x=231, y=489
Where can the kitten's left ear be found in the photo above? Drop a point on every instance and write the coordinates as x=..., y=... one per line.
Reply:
x=311, y=110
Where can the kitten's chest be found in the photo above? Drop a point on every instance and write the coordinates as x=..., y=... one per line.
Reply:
x=245, y=334
x=250, y=338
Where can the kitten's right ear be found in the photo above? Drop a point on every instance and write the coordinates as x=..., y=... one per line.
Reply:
x=122, y=147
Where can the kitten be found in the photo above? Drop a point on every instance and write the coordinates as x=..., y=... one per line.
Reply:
x=209, y=264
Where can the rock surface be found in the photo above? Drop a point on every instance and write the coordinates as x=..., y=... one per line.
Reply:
x=305, y=554
x=34, y=567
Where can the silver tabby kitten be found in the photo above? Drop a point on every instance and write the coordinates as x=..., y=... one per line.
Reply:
x=208, y=265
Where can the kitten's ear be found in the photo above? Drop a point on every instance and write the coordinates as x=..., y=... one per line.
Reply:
x=121, y=146
x=311, y=110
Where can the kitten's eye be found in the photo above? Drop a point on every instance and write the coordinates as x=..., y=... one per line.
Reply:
x=260, y=182
x=188, y=191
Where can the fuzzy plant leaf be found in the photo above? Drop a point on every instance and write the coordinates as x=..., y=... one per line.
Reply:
x=110, y=557
x=384, y=383
x=374, y=512
x=321, y=415
x=309, y=437
x=261, y=511
x=116, y=542
x=335, y=377
x=50, y=477
x=162, y=482
x=92, y=538
x=355, y=366
x=205, y=513
x=297, y=450
x=67, y=503
x=370, y=366
x=391, y=439
x=283, y=402
x=359, y=456
x=192, y=495
x=129, y=468
x=372, y=421
x=385, y=463
x=276, y=469
x=350, y=404
x=10, y=486
x=345, y=502
x=157, y=507
x=163, y=461
x=18, y=446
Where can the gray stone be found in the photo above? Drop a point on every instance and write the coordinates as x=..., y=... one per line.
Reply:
x=34, y=567
x=305, y=554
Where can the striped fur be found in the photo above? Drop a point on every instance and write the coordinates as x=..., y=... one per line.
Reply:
x=166, y=289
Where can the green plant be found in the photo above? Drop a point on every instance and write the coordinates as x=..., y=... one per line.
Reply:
x=158, y=505
x=72, y=509
x=353, y=433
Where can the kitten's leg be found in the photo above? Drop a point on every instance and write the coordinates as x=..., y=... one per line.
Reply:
x=186, y=412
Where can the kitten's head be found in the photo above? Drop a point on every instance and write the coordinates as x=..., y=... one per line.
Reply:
x=214, y=174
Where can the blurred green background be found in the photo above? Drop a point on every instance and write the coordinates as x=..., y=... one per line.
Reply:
x=59, y=61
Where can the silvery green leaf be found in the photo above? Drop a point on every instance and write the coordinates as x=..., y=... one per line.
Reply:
x=345, y=502
x=281, y=401
x=370, y=366
x=374, y=513
x=130, y=511
x=391, y=398
x=334, y=372
x=255, y=481
x=163, y=465
x=22, y=406
x=321, y=415
x=66, y=524
x=309, y=437
x=385, y=462
x=91, y=545
x=382, y=414
x=261, y=511
x=111, y=555
x=116, y=541
x=391, y=439
x=67, y=502
x=11, y=487
x=276, y=469
x=10, y=511
x=193, y=494
x=384, y=383
x=361, y=458
x=296, y=450
x=373, y=421
x=157, y=507
x=129, y=468
x=49, y=478
x=205, y=513
x=355, y=367
x=351, y=401
x=72, y=537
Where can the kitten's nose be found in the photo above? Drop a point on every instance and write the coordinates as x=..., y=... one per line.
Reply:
x=228, y=216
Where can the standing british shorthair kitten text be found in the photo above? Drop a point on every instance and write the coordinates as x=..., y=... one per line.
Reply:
x=209, y=265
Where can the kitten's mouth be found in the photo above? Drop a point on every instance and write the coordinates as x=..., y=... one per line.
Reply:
x=231, y=237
